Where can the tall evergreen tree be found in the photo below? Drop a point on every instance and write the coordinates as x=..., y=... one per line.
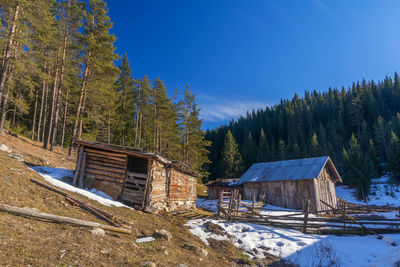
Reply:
x=232, y=162
x=125, y=86
x=358, y=169
x=394, y=158
x=249, y=151
x=194, y=145
x=263, y=148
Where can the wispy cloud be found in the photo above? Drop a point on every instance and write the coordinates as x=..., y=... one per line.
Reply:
x=320, y=5
x=223, y=109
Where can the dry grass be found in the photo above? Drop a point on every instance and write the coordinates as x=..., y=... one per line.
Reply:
x=26, y=241
x=202, y=191
x=33, y=152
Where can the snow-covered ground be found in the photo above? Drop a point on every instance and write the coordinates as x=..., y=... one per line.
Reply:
x=311, y=249
x=303, y=248
x=58, y=177
x=382, y=193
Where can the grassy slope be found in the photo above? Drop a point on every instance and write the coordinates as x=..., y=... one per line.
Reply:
x=26, y=241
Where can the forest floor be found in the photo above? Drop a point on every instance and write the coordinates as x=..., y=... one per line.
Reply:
x=30, y=242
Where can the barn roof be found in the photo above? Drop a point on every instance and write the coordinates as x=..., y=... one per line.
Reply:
x=297, y=169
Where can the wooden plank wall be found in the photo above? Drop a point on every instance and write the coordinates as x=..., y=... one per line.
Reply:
x=291, y=194
x=326, y=190
x=287, y=194
x=107, y=169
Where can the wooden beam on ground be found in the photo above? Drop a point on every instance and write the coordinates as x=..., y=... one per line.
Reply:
x=96, y=211
x=60, y=219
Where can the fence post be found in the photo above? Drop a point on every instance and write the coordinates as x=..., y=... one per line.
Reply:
x=252, y=206
x=238, y=204
x=307, y=208
x=220, y=204
x=344, y=215
x=230, y=205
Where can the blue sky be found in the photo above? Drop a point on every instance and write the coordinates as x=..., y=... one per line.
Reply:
x=243, y=54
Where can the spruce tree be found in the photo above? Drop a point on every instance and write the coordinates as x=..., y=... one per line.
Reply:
x=358, y=168
x=394, y=158
x=194, y=145
x=314, y=146
x=231, y=160
x=263, y=148
x=125, y=86
x=249, y=151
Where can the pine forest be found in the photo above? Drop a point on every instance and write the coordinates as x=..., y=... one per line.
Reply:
x=61, y=80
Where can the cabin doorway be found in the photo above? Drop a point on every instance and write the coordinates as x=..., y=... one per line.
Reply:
x=134, y=190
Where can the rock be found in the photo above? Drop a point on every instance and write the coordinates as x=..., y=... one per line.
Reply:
x=104, y=251
x=145, y=239
x=98, y=232
x=166, y=253
x=5, y=148
x=17, y=157
x=204, y=252
x=189, y=247
x=181, y=265
x=162, y=234
x=148, y=264
x=151, y=209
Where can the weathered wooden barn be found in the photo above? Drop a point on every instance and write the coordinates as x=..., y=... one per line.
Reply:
x=139, y=179
x=289, y=183
x=222, y=185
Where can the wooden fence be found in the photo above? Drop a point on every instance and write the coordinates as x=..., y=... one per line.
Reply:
x=231, y=207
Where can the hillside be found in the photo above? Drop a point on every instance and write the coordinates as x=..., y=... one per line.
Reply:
x=26, y=241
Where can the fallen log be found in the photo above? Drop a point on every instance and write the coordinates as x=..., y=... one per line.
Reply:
x=96, y=211
x=60, y=219
x=89, y=208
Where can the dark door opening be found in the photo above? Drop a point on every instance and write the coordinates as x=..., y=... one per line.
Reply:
x=135, y=182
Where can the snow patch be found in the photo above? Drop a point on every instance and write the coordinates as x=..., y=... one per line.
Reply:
x=55, y=176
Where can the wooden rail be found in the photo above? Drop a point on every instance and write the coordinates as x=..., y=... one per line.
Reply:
x=231, y=207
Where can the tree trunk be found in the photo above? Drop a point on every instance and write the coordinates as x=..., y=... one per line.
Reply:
x=109, y=127
x=49, y=125
x=78, y=109
x=65, y=119
x=41, y=104
x=4, y=107
x=14, y=114
x=34, y=114
x=138, y=115
x=82, y=113
x=8, y=53
x=46, y=102
x=58, y=100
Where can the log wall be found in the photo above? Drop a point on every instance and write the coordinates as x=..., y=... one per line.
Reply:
x=105, y=171
x=164, y=186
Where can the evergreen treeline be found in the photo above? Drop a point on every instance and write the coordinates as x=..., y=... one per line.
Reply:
x=357, y=127
x=59, y=81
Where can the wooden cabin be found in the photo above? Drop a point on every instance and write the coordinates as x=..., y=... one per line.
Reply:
x=134, y=177
x=289, y=183
x=222, y=185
